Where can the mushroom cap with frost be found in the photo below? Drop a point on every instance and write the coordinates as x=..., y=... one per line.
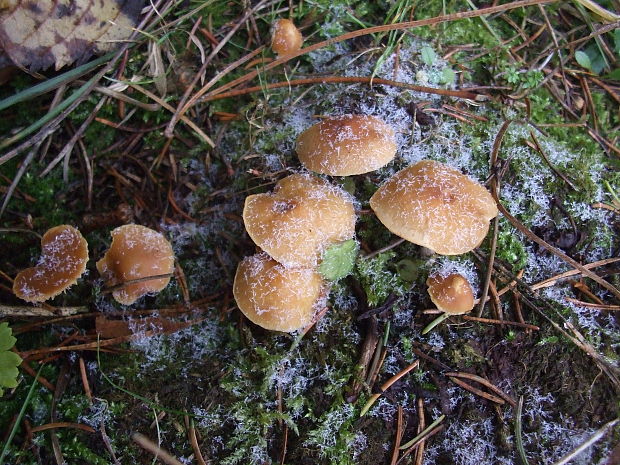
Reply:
x=274, y=296
x=301, y=218
x=64, y=253
x=434, y=205
x=285, y=37
x=136, y=252
x=346, y=145
x=451, y=293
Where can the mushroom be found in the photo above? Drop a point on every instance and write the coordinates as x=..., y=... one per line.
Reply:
x=346, y=145
x=433, y=205
x=301, y=217
x=452, y=294
x=136, y=253
x=64, y=253
x=285, y=37
x=274, y=296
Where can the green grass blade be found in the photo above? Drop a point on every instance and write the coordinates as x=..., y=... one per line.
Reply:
x=48, y=116
x=53, y=83
x=5, y=449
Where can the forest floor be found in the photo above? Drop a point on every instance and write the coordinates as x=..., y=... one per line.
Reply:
x=521, y=98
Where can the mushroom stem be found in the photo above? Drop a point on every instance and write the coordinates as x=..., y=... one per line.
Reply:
x=435, y=322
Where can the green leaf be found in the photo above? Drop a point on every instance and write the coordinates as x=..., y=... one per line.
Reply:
x=9, y=361
x=448, y=76
x=338, y=260
x=428, y=55
x=583, y=59
x=615, y=75
x=7, y=340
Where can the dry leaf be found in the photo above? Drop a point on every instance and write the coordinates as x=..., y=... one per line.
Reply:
x=41, y=33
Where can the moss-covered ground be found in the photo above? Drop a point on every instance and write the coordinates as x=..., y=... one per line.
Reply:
x=189, y=372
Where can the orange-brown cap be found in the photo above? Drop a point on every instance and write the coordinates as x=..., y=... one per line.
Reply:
x=301, y=218
x=285, y=37
x=451, y=294
x=136, y=252
x=276, y=297
x=434, y=205
x=64, y=253
x=346, y=145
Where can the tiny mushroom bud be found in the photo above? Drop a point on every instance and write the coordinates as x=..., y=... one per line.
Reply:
x=435, y=206
x=451, y=294
x=346, y=145
x=275, y=297
x=301, y=218
x=136, y=252
x=64, y=253
x=285, y=37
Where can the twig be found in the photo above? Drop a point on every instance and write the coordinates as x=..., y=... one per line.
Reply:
x=476, y=391
x=385, y=386
x=554, y=279
x=22, y=311
x=424, y=433
x=154, y=449
x=500, y=322
x=594, y=438
x=484, y=382
x=346, y=79
x=419, y=456
x=399, y=435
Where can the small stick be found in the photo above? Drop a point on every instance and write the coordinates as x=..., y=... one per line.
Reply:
x=390, y=246
x=500, y=322
x=415, y=446
x=63, y=424
x=399, y=435
x=419, y=457
x=85, y=381
x=385, y=386
x=423, y=433
x=484, y=382
x=159, y=453
x=477, y=391
x=594, y=438
x=191, y=432
x=551, y=281
x=581, y=303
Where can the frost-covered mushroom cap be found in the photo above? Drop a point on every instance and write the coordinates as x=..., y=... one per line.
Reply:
x=451, y=294
x=64, y=253
x=434, y=205
x=136, y=252
x=285, y=37
x=275, y=297
x=346, y=145
x=299, y=220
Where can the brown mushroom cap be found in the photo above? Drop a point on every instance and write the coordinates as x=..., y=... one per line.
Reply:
x=434, y=205
x=346, y=145
x=285, y=37
x=276, y=297
x=64, y=253
x=136, y=252
x=297, y=221
x=451, y=294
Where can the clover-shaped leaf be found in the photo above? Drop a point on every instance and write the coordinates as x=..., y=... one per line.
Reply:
x=338, y=260
x=9, y=361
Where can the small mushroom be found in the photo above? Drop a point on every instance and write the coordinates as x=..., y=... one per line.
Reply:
x=452, y=294
x=346, y=145
x=274, y=296
x=64, y=253
x=285, y=37
x=297, y=221
x=137, y=252
x=434, y=205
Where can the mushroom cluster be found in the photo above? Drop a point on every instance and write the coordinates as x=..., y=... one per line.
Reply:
x=429, y=204
x=138, y=262
x=280, y=288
